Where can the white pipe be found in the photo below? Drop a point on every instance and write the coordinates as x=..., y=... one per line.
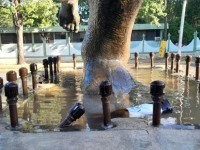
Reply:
x=181, y=27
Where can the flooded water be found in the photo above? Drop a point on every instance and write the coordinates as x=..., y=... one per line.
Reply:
x=183, y=94
x=49, y=106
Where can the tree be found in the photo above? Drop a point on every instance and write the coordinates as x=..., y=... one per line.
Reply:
x=38, y=13
x=188, y=32
x=192, y=19
x=152, y=11
x=5, y=14
x=193, y=14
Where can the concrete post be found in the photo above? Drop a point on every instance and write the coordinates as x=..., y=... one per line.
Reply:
x=195, y=41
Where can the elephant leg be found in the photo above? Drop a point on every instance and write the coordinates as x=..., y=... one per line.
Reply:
x=106, y=45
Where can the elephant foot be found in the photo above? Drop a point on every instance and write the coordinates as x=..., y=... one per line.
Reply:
x=97, y=71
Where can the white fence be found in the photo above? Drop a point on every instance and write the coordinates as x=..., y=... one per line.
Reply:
x=60, y=47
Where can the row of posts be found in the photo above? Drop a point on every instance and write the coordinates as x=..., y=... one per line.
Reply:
x=11, y=88
x=175, y=59
x=11, y=91
x=53, y=64
x=156, y=91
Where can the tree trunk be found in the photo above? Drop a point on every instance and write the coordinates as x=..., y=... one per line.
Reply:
x=20, y=45
x=18, y=22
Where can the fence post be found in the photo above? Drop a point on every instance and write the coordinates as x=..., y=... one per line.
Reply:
x=168, y=42
x=143, y=38
x=195, y=41
x=33, y=41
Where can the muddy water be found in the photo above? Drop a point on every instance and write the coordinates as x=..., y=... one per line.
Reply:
x=182, y=93
x=48, y=107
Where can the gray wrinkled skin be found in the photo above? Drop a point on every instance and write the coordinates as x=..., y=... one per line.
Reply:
x=106, y=45
x=100, y=70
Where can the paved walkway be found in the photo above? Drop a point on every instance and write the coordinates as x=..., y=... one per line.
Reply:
x=130, y=134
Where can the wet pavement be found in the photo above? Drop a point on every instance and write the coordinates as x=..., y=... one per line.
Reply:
x=130, y=133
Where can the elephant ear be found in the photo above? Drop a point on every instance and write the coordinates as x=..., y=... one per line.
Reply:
x=68, y=16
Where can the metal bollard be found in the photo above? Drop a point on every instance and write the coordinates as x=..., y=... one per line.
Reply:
x=33, y=68
x=50, y=60
x=166, y=60
x=46, y=73
x=157, y=91
x=11, y=76
x=197, y=68
x=172, y=61
x=151, y=58
x=136, y=59
x=74, y=60
x=178, y=58
x=11, y=92
x=199, y=87
x=55, y=65
x=23, y=73
x=58, y=63
x=105, y=91
x=1, y=86
x=75, y=113
x=188, y=60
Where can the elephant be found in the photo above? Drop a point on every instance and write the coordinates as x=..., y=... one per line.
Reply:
x=106, y=45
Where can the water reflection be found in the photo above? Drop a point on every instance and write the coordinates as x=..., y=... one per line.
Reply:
x=49, y=106
x=93, y=108
x=182, y=93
